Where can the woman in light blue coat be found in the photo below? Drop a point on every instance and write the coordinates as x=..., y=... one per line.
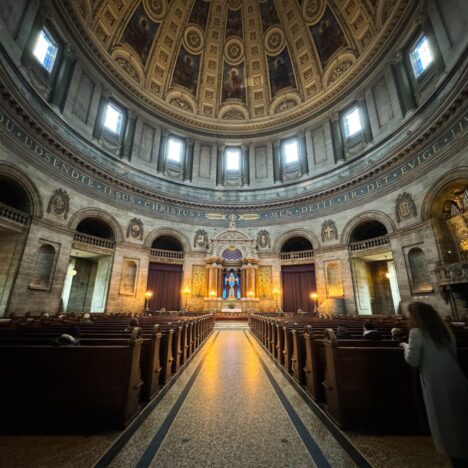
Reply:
x=431, y=347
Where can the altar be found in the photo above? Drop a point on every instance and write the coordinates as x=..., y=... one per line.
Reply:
x=228, y=310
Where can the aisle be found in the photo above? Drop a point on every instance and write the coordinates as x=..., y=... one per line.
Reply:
x=230, y=411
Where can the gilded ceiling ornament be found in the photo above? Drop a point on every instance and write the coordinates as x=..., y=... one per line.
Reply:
x=312, y=10
x=194, y=39
x=335, y=72
x=234, y=4
x=234, y=50
x=298, y=46
x=59, y=203
x=274, y=40
x=135, y=229
x=128, y=68
x=156, y=9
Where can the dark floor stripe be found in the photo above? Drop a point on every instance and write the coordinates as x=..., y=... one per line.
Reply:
x=107, y=458
x=334, y=430
x=309, y=442
x=157, y=440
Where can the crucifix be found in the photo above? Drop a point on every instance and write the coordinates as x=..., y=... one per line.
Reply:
x=232, y=220
x=328, y=232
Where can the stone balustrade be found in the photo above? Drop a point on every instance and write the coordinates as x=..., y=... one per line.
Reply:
x=167, y=254
x=300, y=255
x=94, y=240
x=376, y=242
x=452, y=273
x=13, y=214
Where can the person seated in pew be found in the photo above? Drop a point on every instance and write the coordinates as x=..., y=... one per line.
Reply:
x=342, y=332
x=398, y=334
x=134, y=322
x=432, y=348
x=70, y=338
x=370, y=332
x=65, y=340
x=87, y=319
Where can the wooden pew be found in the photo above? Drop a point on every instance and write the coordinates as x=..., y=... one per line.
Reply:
x=70, y=386
x=371, y=387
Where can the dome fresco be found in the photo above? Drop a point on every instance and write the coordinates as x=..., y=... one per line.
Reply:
x=236, y=66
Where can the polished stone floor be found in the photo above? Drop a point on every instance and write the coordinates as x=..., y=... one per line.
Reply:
x=231, y=407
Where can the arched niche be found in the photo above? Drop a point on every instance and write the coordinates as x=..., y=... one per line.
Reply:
x=44, y=267
x=419, y=272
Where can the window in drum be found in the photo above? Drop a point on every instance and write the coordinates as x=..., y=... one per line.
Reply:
x=113, y=118
x=175, y=148
x=45, y=50
x=233, y=160
x=421, y=56
x=352, y=122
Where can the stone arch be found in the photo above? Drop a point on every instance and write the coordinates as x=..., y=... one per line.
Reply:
x=97, y=213
x=26, y=184
x=165, y=231
x=310, y=236
x=366, y=216
x=451, y=177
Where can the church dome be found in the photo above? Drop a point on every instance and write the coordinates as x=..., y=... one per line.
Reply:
x=235, y=67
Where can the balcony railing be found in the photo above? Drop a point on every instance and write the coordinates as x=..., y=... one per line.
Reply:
x=300, y=255
x=93, y=240
x=167, y=254
x=13, y=214
x=367, y=244
x=453, y=273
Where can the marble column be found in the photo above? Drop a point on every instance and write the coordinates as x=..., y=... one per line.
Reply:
x=220, y=165
x=367, y=131
x=337, y=138
x=188, y=166
x=219, y=282
x=276, y=161
x=63, y=79
x=302, y=152
x=129, y=135
x=403, y=84
x=245, y=165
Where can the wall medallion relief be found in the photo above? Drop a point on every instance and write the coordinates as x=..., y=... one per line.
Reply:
x=329, y=231
x=201, y=239
x=135, y=229
x=405, y=207
x=263, y=239
x=59, y=203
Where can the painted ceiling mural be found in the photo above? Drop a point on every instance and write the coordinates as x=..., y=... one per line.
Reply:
x=247, y=61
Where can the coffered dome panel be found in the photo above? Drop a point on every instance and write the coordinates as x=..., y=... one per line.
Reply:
x=239, y=58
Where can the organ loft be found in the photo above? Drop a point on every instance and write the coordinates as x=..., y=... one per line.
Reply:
x=210, y=207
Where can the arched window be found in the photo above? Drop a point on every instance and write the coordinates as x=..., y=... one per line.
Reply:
x=13, y=195
x=420, y=277
x=96, y=227
x=44, y=269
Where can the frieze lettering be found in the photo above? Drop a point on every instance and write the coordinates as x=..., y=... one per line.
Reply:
x=78, y=178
